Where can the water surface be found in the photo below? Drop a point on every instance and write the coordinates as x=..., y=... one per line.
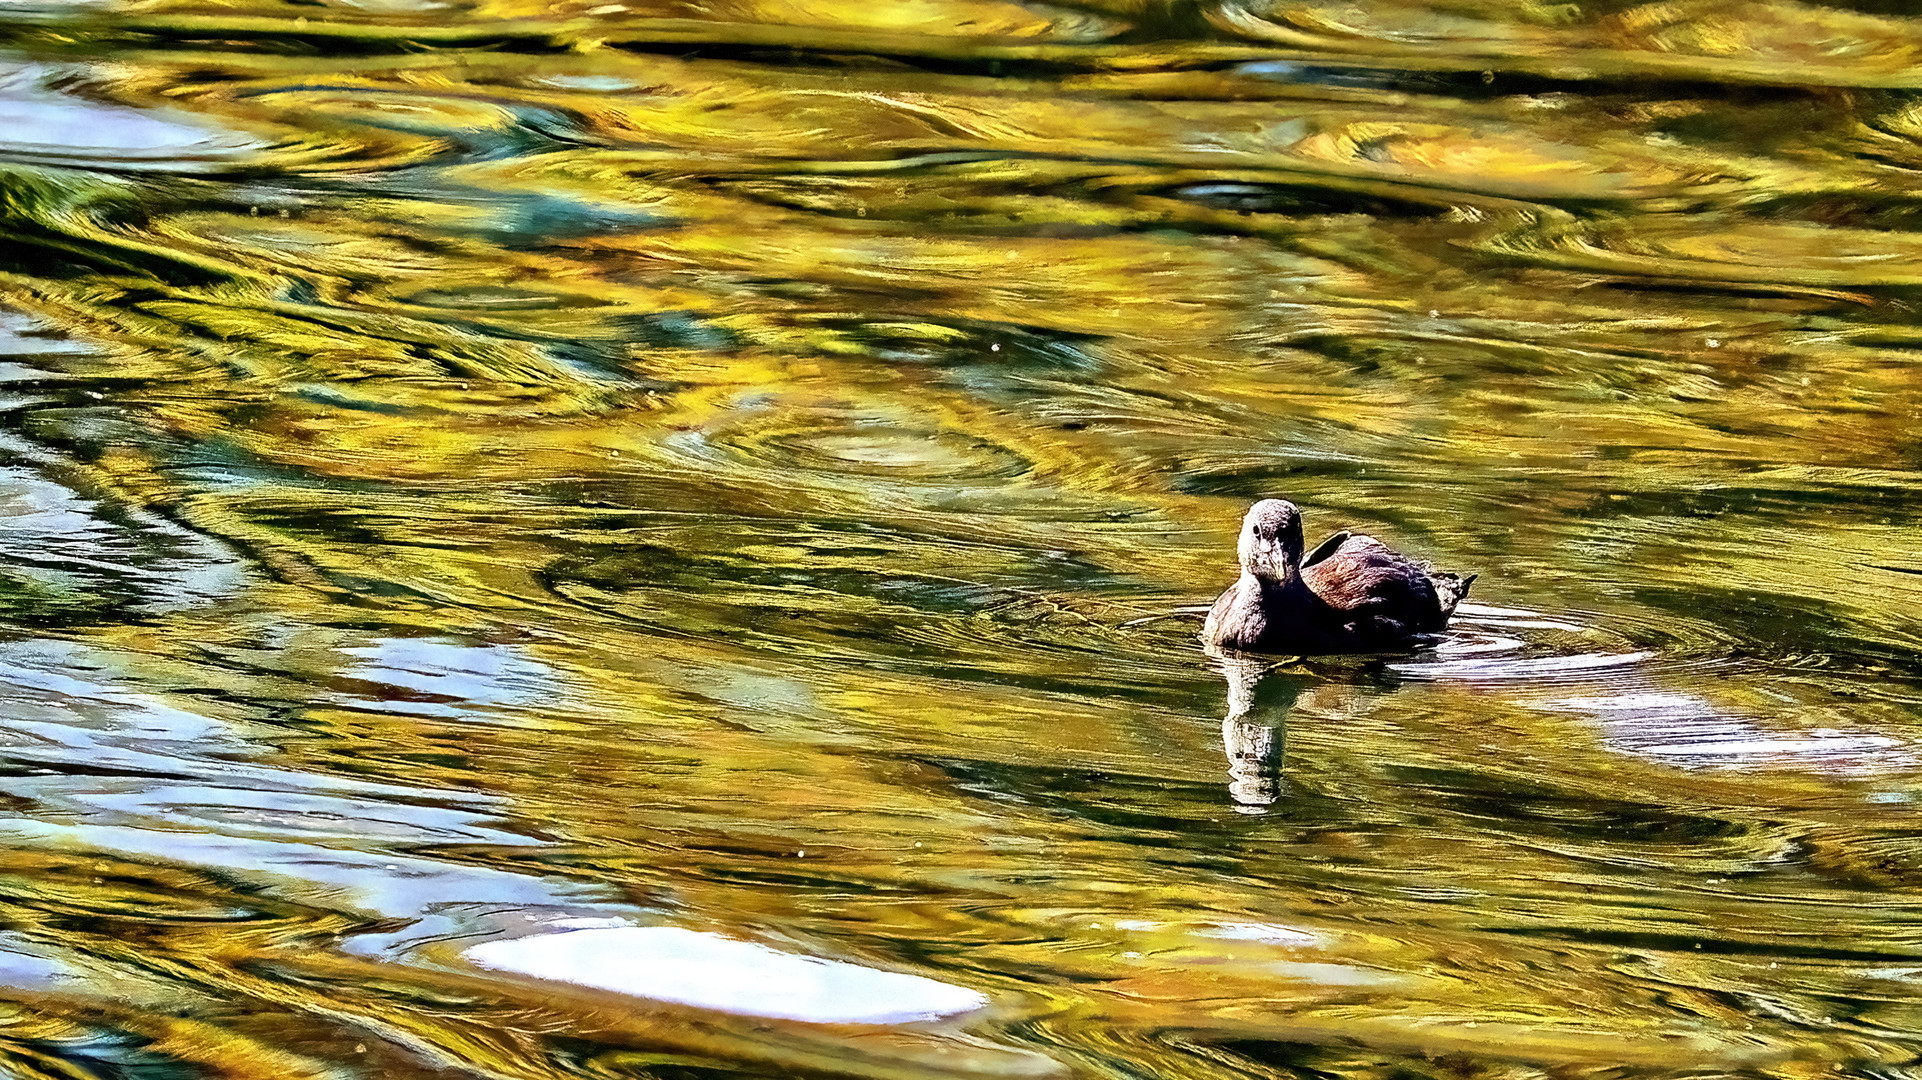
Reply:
x=737, y=481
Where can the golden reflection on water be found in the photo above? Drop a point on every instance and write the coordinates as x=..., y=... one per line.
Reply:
x=749, y=467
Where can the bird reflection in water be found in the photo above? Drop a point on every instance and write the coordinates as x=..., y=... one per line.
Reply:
x=1254, y=729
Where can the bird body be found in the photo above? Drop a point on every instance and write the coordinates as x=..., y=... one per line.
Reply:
x=1351, y=594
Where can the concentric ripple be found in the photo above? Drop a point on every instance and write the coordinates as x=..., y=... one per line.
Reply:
x=839, y=446
x=882, y=449
x=1676, y=690
x=1503, y=645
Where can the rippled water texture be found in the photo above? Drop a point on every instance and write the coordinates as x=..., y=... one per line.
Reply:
x=665, y=539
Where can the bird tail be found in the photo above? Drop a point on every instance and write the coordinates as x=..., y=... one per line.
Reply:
x=1450, y=588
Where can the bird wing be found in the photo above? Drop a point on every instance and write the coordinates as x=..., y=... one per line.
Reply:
x=1324, y=549
x=1364, y=574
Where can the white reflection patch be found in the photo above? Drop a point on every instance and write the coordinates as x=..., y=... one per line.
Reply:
x=453, y=671
x=688, y=967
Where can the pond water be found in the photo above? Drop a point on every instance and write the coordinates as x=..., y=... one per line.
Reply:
x=665, y=538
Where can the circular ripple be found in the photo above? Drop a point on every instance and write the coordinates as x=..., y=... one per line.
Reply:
x=1488, y=644
x=900, y=453
x=871, y=447
x=1671, y=690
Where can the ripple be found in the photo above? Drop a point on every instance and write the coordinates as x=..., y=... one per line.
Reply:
x=1073, y=641
x=1488, y=644
x=414, y=113
x=833, y=442
x=904, y=20
x=41, y=125
x=1693, y=39
x=884, y=451
x=970, y=610
x=1689, y=730
x=1754, y=253
x=1661, y=688
x=447, y=677
x=65, y=557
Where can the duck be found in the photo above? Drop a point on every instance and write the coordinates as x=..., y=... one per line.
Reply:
x=1351, y=594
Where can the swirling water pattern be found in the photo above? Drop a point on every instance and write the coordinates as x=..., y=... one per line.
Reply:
x=736, y=482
